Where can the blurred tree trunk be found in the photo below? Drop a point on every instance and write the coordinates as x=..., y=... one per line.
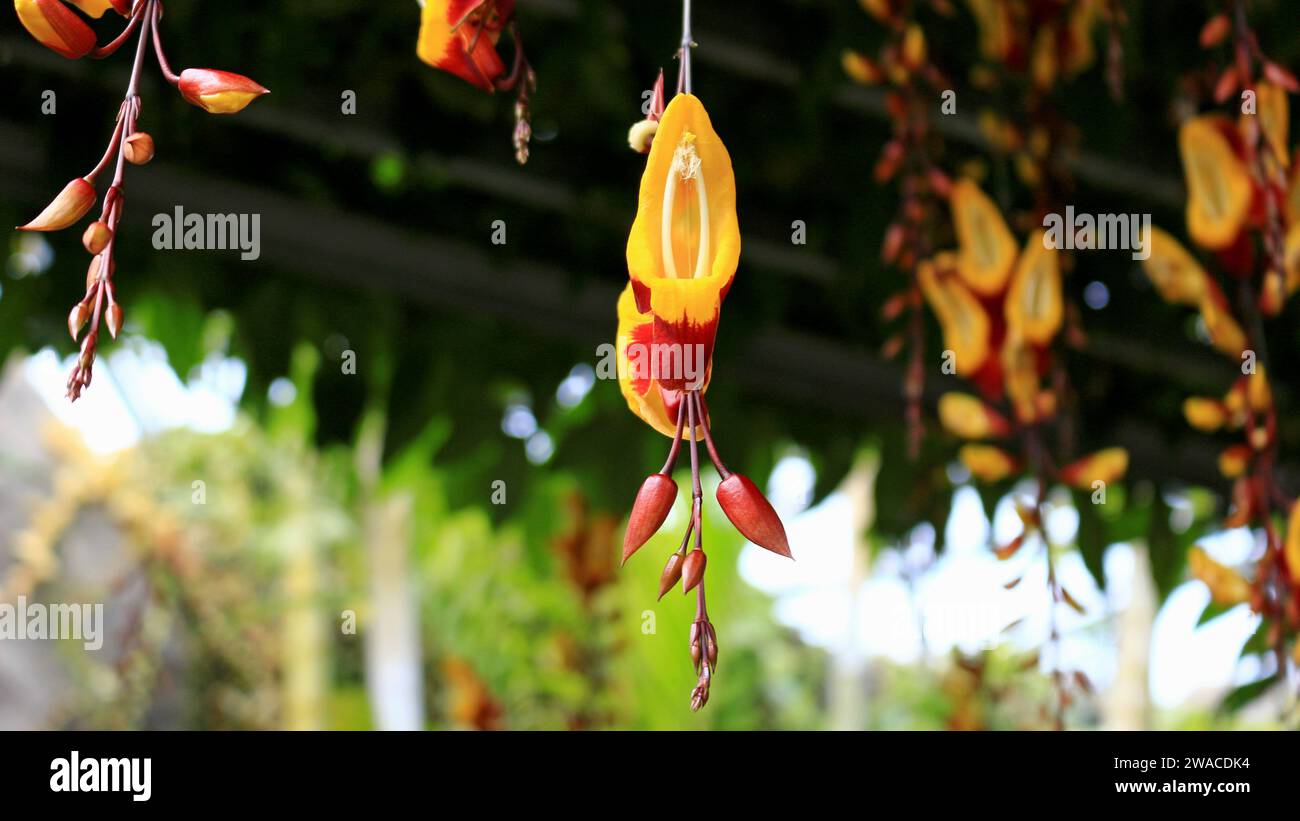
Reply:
x=848, y=684
x=1127, y=704
x=392, y=636
x=304, y=623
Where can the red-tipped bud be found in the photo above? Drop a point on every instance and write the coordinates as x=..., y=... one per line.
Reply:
x=711, y=645
x=693, y=569
x=77, y=319
x=138, y=148
x=752, y=514
x=113, y=317
x=218, y=92
x=653, y=502
x=70, y=205
x=56, y=27
x=96, y=237
x=672, y=572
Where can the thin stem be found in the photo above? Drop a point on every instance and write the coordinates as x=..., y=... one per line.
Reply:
x=708, y=437
x=677, y=440
x=697, y=491
x=684, y=77
x=163, y=65
x=110, y=48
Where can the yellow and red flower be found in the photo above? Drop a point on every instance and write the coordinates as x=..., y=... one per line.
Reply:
x=685, y=242
x=59, y=29
x=460, y=37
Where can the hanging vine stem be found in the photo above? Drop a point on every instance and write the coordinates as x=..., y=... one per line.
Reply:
x=684, y=84
x=100, y=300
x=217, y=92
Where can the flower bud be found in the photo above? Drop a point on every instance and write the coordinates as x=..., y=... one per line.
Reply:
x=1234, y=460
x=113, y=317
x=56, y=27
x=987, y=463
x=218, y=92
x=693, y=569
x=752, y=514
x=1107, y=465
x=653, y=502
x=641, y=135
x=77, y=319
x=70, y=205
x=711, y=645
x=138, y=148
x=93, y=270
x=96, y=237
x=970, y=417
x=672, y=572
x=1205, y=413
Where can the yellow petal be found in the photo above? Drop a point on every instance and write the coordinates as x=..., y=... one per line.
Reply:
x=1175, y=273
x=1020, y=377
x=987, y=248
x=1033, y=305
x=1225, y=334
x=1218, y=186
x=1293, y=544
x=1106, y=465
x=1274, y=112
x=964, y=322
x=970, y=417
x=95, y=8
x=1204, y=413
x=986, y=462
x=1227, y=587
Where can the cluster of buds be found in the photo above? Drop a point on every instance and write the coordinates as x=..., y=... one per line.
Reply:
x=911, y=80
x=460, y=37
x=741, y=501
x=62, y=30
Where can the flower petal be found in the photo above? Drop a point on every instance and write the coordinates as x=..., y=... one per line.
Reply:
x=987, y=248
x=684, y=245
x=1219, y=190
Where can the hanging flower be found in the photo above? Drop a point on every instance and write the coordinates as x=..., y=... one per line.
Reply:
x=685, y=242
x=682, y=256
x=460, y=37
x=58, y=27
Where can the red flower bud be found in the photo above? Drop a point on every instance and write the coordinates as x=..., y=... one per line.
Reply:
x=752, y=514
x=138, y=148
x=96, y=237
x=218, y=92
x=77, y=319
x=672, y=572
x=693, y=569
x=113, y=317
x=653, y=502
x=70, y=205
x=56, y=27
